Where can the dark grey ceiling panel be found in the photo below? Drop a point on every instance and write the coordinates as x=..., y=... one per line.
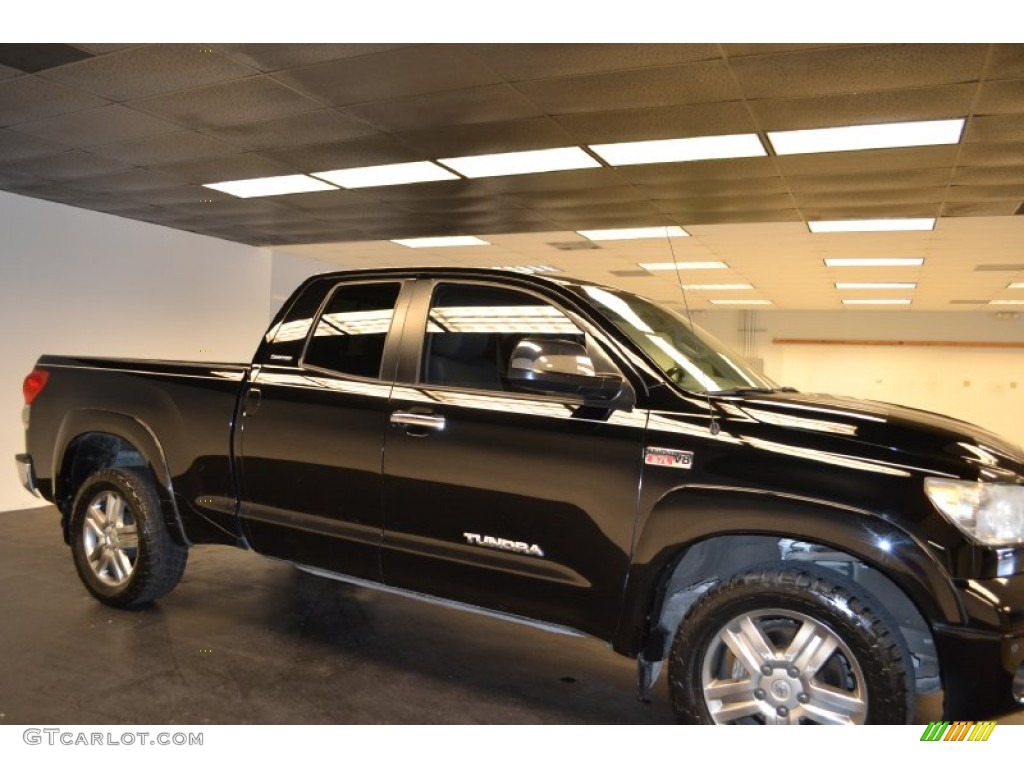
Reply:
x=1007, y=62
x=6, y=73
x=169, y=196
x=36, y=57
x=570, y=198
x=996, y=208
x=738, y=203
x=760, y=49
x=251, y=100
x=18, y=146
x=516, y=62
x=688, y=188
x=28, y=98
x=390, y=75
x=1010, y=174
x=320, y=204
x=270, y=57
x=869, y=161
x=874, y=197
x=375, y=150
x=129, y=182
x=868, y=211
x=67, y=165
x=736, y=168
x=325, y=125
x=174, y=147
x=100, y=48
x=104, y=125
x=659, y=123
x=994, y=129
x=707, y=216
x=1009, y=153
x=150, y=70
x=229, y=168
x=707, y=81
x=484, y=104
x=488, y=138
x=869, y=182
x=582, y=179
x=1001, y=97
x=986, y=192
x=850, y=70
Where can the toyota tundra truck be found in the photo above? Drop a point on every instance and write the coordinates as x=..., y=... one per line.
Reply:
x=571, y=456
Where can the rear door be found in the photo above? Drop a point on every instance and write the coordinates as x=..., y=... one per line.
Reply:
x=516, y=502
x=312, y=429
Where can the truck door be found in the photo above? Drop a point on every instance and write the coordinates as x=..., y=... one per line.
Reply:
x=517, y=502
x=312, y=428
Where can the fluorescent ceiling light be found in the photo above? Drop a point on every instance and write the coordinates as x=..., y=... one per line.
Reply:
x=739, y=301
x=664, y=266
x=271, y=185
x=386, y=175
x=875, y=262
x=719, y=287
x=636, y=233
x=872, y=225
x=440, y=242
x=512, y=163
x=1015, y=285
x=874, y=286
x=1007, y=301
x=680, y=150
x=876, y=301
x=855, y=137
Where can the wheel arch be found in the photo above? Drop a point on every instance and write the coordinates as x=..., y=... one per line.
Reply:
x=90, y=440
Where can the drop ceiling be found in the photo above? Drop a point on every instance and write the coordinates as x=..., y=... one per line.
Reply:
x=137, y=130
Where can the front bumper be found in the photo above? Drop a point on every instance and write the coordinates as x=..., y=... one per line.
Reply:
x=983, y=662
x=27, y=473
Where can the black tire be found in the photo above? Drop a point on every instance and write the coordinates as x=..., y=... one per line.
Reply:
x=122, y=549
x=849, y=664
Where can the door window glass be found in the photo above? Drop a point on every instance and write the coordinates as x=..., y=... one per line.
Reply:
x=350, y=335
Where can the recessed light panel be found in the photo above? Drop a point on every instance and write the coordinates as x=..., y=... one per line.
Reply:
x=636, y=233
x=668, y=266
x=856, y=137
x=874, y=262
x=876, y=301
x=271, y=185
x=680, y=150
x=386, y=175
x=514, y=163
x=739, y=301
x=1015, y=285
x=1007, y=301
x=876, y=286
x=441, y=242
x=872, y=225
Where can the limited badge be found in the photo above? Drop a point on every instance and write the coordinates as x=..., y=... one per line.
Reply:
x=666, y=457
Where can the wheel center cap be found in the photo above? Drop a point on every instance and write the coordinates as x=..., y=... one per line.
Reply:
x=781, y=690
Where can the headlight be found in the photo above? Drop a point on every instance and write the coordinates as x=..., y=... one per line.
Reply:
x=989, y=513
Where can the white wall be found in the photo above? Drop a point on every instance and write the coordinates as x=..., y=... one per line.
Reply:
x=983, y=386
x=79, y=282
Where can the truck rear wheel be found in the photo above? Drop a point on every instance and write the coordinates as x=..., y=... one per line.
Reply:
x=121, y=547
x=788, y=646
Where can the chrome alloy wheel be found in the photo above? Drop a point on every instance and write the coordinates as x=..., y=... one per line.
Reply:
x=110, y=538
x=782, y=667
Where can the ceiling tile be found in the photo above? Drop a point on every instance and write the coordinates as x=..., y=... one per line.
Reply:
x=375, y=150
x=1013, y=174
x=857, y=198
x=581, y=179
x=658, y=123
x=131, y=181
x=994, y=129
x=533, y=62
x=1007, y=61
x=868, y=161
x=321, y=204
x=707, y=81
x=737, y=50
x=67, y=165
x=850, y=70
x=987, y=192
x=37, y=57
x=103, y=125
x=174, y=147
x=991, y=208
x=101, y=48
x=186, y=193
x=668, y=173
x=1008, y=154
x=867, y=210
x=737, y=203
x=6, y=73
x=573, y=198
x=865, y=182
x=1001, y=97
x=485, y=104
x=270, y=57
x=864, y=108
x=689, y=188
x=229, y=168
x=149, y=70
x=486, y=138
x=324, y=125
x=251, y=100
x=18, y=146
x=392, y=74
x=28, y=98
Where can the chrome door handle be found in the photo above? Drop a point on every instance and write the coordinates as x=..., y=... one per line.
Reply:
x=420, y=420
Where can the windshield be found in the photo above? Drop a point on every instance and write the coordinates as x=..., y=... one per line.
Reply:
x=688, y=355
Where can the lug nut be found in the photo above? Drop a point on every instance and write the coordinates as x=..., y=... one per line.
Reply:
x=803, y=698
x=759, y=694
x=766, y=670
x=793, y=672
x=782, y=711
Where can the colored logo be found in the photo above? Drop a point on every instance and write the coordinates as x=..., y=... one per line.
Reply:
x=966, y=730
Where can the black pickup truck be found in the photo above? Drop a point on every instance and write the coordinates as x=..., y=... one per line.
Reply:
x=575, y=457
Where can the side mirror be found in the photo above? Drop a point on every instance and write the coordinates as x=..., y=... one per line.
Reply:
x=556, y=366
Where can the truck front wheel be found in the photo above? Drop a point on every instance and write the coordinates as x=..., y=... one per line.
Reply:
x=121, y=547
x=787, y=646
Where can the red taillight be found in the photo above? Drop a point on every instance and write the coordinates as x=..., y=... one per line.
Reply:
x=34, y=384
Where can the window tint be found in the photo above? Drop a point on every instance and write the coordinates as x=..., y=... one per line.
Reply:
x=349, y=337
x=473, y=329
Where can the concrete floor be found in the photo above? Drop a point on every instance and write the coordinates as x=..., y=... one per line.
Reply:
x=244, y=639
